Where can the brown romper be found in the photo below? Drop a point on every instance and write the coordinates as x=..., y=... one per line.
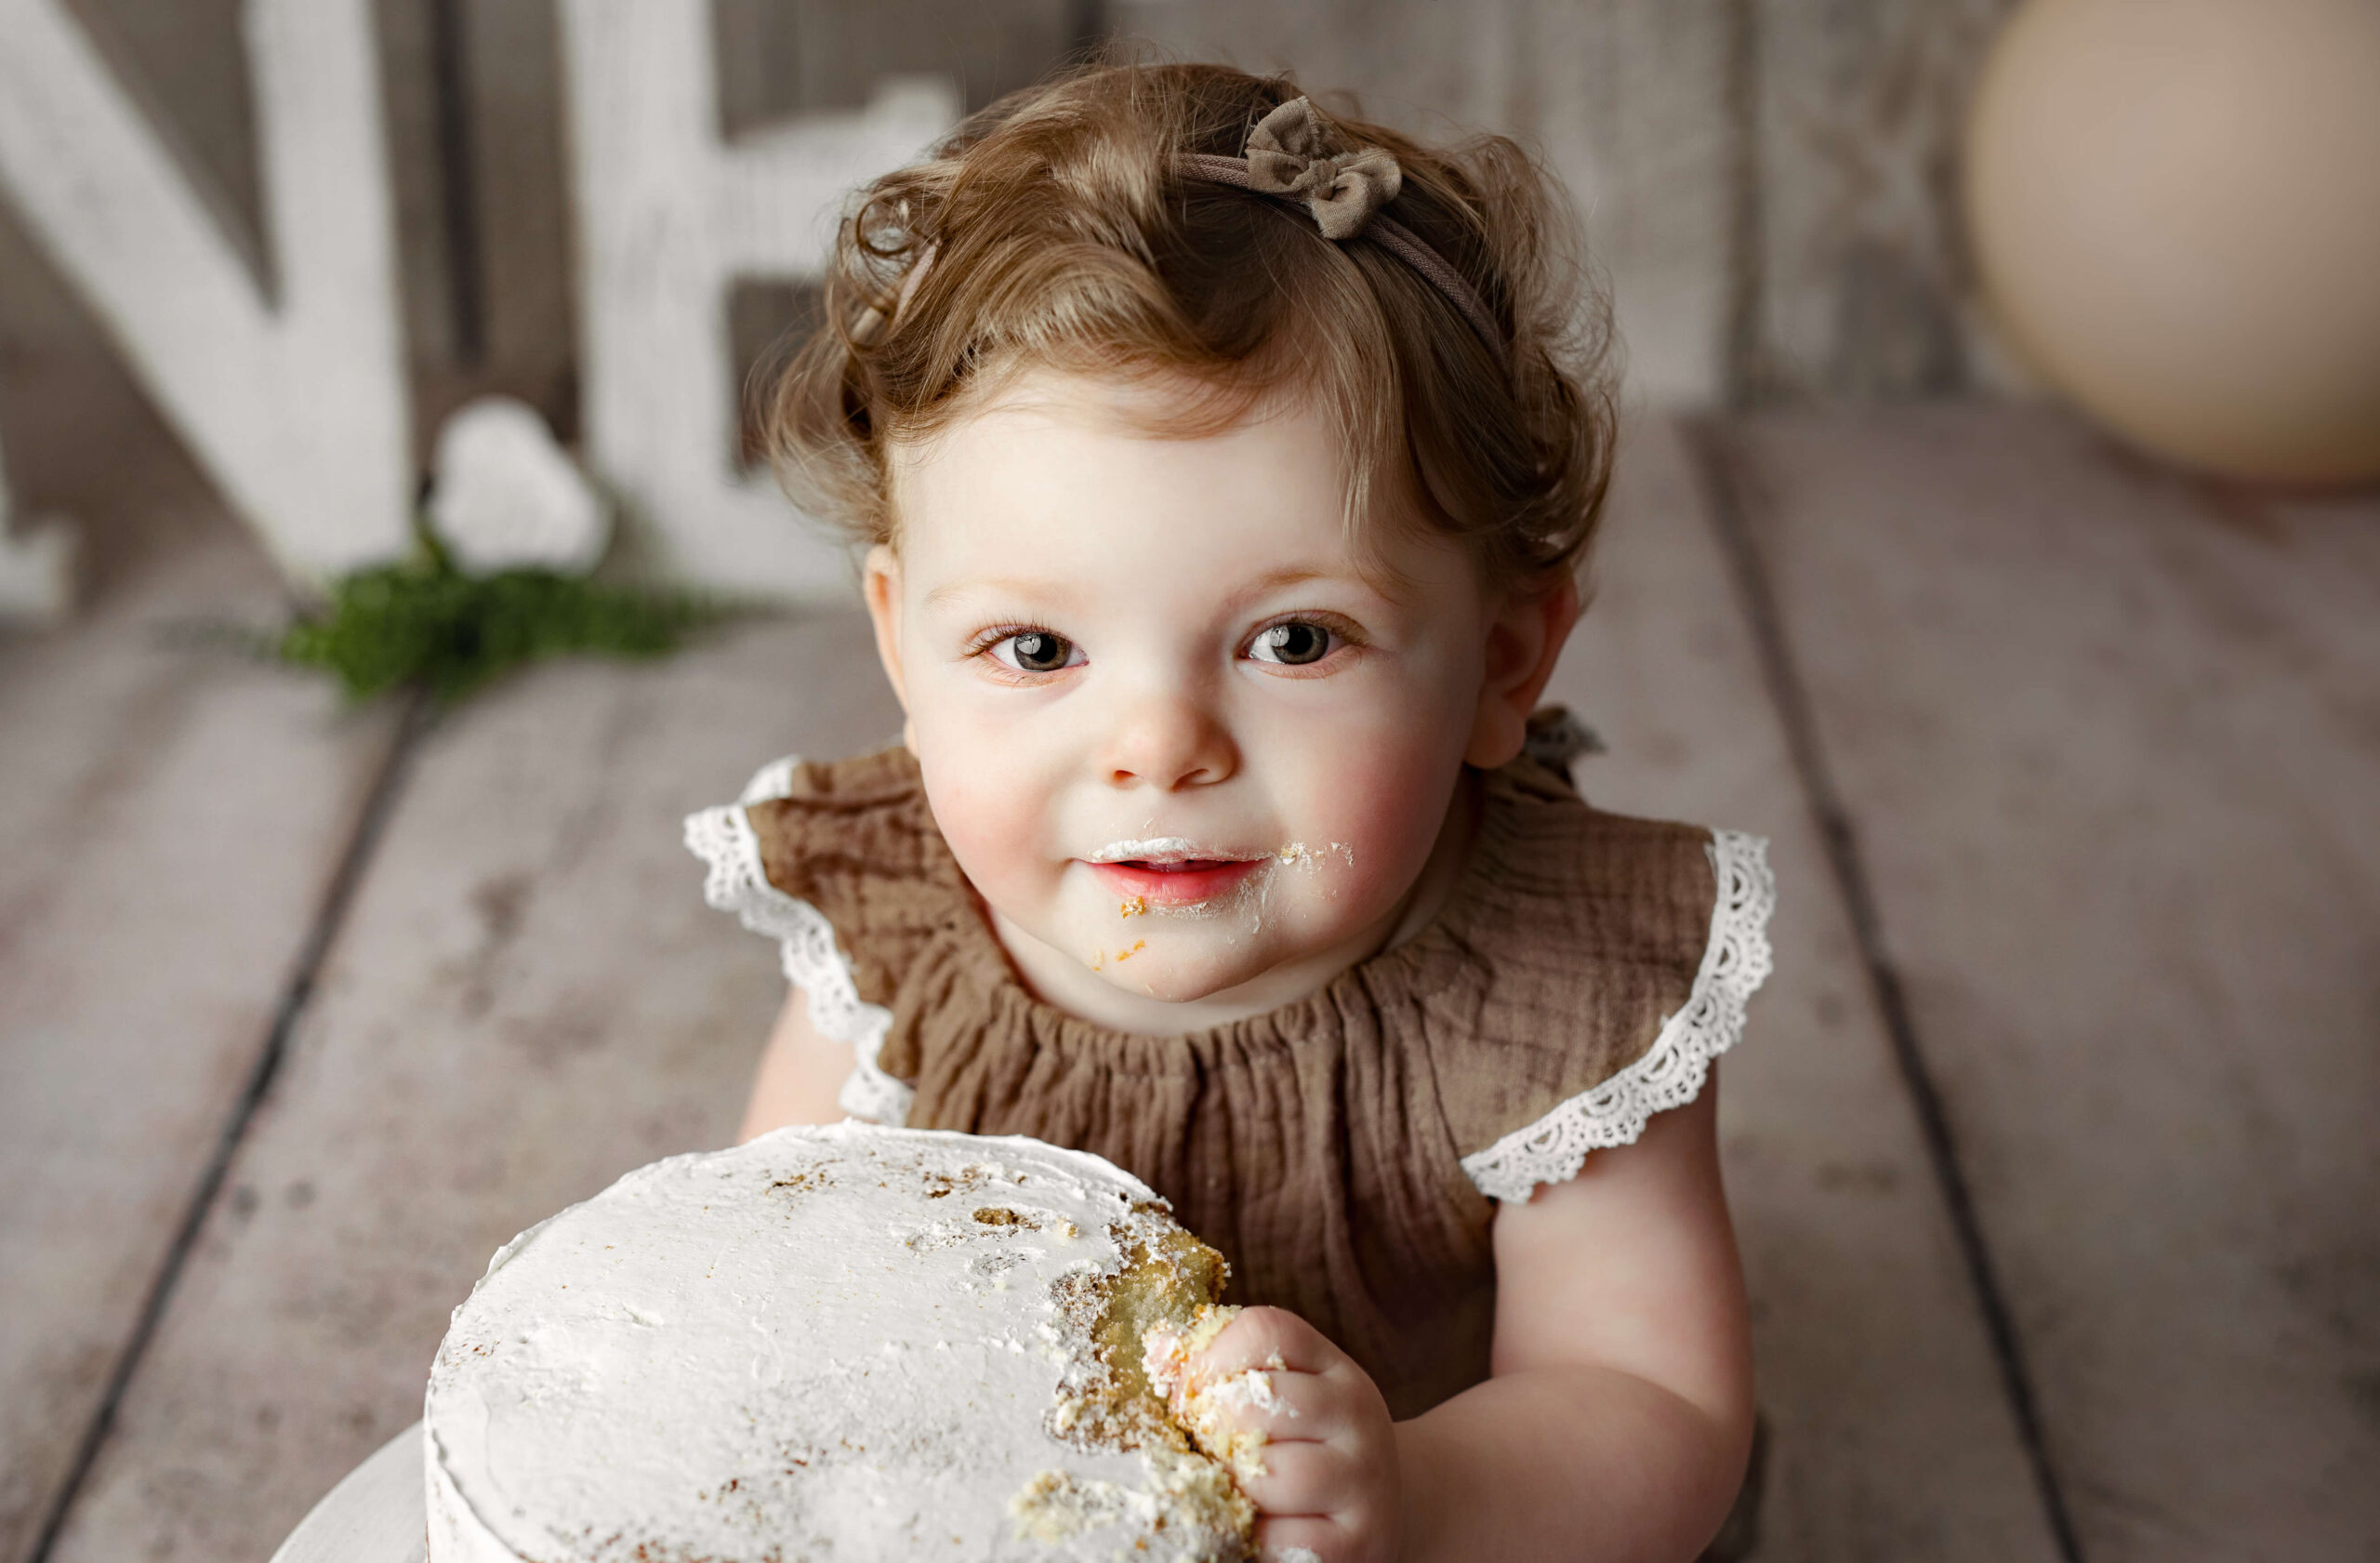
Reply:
x=1343, y=1151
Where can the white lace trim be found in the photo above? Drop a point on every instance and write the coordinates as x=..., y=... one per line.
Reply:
x=771, y=782
x=1672, y=1072
x=722, y=838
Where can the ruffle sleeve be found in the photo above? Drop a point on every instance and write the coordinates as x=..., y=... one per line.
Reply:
x=1670, y=1071
x=807, y=849
x=1606, y=960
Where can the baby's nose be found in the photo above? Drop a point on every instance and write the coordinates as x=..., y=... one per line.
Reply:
x=1168, y=743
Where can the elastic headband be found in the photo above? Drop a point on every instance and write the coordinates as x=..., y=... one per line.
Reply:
x=1292, y=155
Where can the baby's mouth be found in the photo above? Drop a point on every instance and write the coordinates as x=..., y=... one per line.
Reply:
x=1170, y=873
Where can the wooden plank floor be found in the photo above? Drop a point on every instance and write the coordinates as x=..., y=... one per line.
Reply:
x=528, y=1000
x=1888, y=1436
x=2110, y=743
x=1998, y=650
x=170, y=823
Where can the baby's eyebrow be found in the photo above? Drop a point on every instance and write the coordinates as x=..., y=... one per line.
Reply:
x=1010, y=586
x=1299, y=575
x=994, y=587
x=1288, y=575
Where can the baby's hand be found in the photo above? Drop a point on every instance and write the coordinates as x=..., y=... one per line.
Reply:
x=1305, y=1430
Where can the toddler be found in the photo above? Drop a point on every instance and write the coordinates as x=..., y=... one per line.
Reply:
x=1223, y=470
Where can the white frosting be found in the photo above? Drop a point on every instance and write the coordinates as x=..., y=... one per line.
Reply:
x=1153, y=849
x=853, y=1341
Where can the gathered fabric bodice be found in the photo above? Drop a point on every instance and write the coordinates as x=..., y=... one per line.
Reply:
x=1345, y=1151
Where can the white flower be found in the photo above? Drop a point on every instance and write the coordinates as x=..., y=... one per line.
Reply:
x=37, y=570
x=506, y=496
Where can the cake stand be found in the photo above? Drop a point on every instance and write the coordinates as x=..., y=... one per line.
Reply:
x=374, y=1515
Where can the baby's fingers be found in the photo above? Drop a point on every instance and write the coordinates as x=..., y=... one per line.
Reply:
x=1302, y=1539
x=1267, y=1338
x=1318, y=1481
x=1279, y=1403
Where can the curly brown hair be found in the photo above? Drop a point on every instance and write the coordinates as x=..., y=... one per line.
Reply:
x=1060, y=235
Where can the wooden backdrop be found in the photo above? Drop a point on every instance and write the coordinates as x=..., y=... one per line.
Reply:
x=1769, y=186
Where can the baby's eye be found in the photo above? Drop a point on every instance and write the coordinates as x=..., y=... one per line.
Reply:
x=1294, y=643
x=1035, y=651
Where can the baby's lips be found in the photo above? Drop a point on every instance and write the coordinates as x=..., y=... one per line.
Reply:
x=1139, y=886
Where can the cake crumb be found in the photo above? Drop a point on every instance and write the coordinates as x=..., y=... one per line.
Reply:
x=1001, y=1215
x=1056, y=1505
x=1165, y=1356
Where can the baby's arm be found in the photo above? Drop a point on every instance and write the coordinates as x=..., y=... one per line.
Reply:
x=799, y=1074
x=1619, y=1416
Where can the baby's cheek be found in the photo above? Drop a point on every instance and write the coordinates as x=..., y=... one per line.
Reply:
x=1390, y=832
x=1382, y=812
x=994, y=829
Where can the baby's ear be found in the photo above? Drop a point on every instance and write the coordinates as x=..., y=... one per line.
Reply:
x=1525, y=641
x=880, y=581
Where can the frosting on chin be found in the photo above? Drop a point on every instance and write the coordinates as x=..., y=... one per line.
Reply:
x=849, y=1341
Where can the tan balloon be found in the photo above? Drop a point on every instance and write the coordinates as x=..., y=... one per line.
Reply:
x=2175, y=209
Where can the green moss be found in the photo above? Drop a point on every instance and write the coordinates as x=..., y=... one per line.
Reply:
x=423, y=623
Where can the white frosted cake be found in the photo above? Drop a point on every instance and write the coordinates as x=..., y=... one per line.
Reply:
x=849, y=1342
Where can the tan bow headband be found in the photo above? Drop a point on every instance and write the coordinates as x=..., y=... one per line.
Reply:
x=1290, y=155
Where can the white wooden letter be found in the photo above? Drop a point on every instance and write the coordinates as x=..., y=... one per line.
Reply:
x=296, y=404
x=667, y=217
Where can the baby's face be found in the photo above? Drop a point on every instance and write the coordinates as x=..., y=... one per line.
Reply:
x=1179, y=733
